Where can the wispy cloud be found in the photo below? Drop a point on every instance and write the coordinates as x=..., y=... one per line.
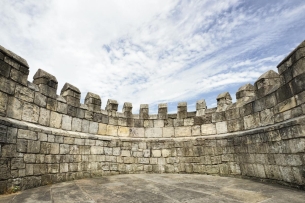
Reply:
x=153, y=51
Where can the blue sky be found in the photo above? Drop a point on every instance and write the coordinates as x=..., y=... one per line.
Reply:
x=153, y=51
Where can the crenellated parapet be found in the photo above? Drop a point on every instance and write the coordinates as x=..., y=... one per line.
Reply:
x=273, y=98
x=47, y=138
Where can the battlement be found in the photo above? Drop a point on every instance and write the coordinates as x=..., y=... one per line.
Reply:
x=273, y=98
x=47, y=138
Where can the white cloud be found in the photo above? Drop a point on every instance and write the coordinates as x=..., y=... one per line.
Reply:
x=151, y=51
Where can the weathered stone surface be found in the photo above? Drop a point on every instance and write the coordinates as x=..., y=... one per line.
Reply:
x=24, y=93
x=168, y=132
x=208, y=129
x=183, y=131
x=93, y=127
x=123, y=131
x=182, y=110
x=14, y=108
x=162, y=111
x=153, y=132
x=137, y=132
x=76, y=124
x=40, y=99
x=3, y=103
x=252, y=121
x=112, y=130
x=44, y=117
x=85, y=126
x=221, y=127
x=196, y=130
x=55, y=119
x=66, y=123
x=30, y=113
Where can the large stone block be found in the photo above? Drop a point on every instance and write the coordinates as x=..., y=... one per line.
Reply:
x=153, y=132
x=76, y=124
x=14, y=108
x=66, y=123
x=93, y=127
x=168, y=132
x=7, y=86
x=30, y=113
x=137, y=132
x=123, y=131
x=40, y=99
x=221, y=127
x=235, y=125
x=285, y=105
x=267, y=117
x=85, y=126
x=44, y=117
x=3, y=103
x=208, y=129
x=183, y=131
x=252, y=121
x=112, y=130
x=55, y=120
x=24, y=93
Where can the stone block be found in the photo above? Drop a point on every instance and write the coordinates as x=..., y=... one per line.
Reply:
x=221, y=127
x=51, y=104
x=93, y=127
x=76, y=124
x=40, y=99
x=182, y=110
x=3, y=103
x=156, y=153
x=112, y=130
x=218, y=117
x=122, y=121
x=17, y=163
x=208, y=129
x=102, y=129
x=148, y=123
x=5, y=69
x=183, y=131
x=7, y=86
x=168, y=132
x=188, y=122
x=14, y=108
x=44, y=117
x=267, y=117
x=66, y=122
x=231, y=114
x=137, y=132
x=33, y=147
x=138, y=123
x=11, y=135
x=153, y=132
x=252, y=121
x=158, y=123
x=27, y=134
x=178, y=122
x=235, y=125
x=196, y=130
x=123, y=131
x=298, y=84
x=85, y=126
x=30, y=113
x=55, y=120
x=24, y=93
x=18, y=77
x=62, y=107
x=285, y=105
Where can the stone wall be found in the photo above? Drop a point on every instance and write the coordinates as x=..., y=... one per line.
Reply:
x=47, y=138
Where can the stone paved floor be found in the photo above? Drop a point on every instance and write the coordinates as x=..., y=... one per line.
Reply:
x=158, y=188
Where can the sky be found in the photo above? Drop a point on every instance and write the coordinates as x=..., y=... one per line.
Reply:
x=153, y=51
